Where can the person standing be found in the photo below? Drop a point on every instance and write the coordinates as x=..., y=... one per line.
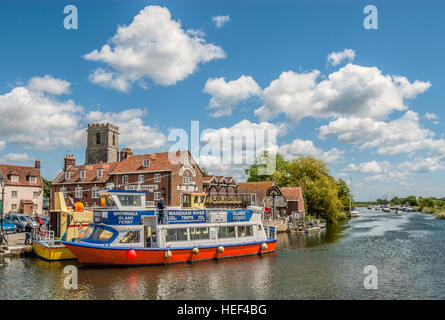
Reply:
x=161, y=211
x=28, y=230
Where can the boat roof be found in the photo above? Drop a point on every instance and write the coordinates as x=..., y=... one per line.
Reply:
x=122, y=191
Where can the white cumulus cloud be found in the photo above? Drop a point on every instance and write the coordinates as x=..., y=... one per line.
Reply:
x=335, y=58
x=37, y=119
x=226, y=95
x=362, y=92
x=220, y=20
x=15, y=157
x=133, y=132
x=49, y=84
x=402, y=135
x=152, y=46
x=299, y=147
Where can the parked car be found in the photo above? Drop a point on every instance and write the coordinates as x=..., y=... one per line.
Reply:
x=20, y=220
x=8, y=226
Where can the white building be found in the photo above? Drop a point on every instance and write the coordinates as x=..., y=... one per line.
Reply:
x=24, y=188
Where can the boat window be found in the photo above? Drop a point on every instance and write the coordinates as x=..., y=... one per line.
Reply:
x=199, y=233
x=100, y=234
x=130, y=200
x=88, y=233
x=131, y=237
x=176, y=234
x=107, y=201
x=245, y=231
x=226, y=232
x=195, y=199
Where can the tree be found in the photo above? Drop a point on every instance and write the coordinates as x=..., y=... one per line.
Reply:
x=427, y=203
x=344, y=193
x=46, y=188
x=320, y=189
x=266, y=162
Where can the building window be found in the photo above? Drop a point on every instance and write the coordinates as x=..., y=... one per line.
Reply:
x=157, y=196
x=187, y=161
x=32, y=179
x=67, y=175
x=157, y=177
x=125, y=179
x=98, y=138
x=187, y=180
x=78, y=192
x=83, y=174
x=14, y=178
x=36, y=194
x=14, y=207
x=13, y=194
x=114, y=139
x=64, y=191
x=36, y=206
x=95, y=193
x=141, y=178
x=146, y=163
x=100, y=173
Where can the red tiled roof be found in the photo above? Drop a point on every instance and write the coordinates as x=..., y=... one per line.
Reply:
x=158, y=162
x=291, y=193
x=22, y=172
x=90, y=173
x=207, y=179
x=259, y=188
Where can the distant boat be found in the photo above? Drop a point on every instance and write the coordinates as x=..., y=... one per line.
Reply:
x=409, y=209
x=386, y=209
x=352, y=213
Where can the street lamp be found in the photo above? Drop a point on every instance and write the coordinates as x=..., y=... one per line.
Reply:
x=2, y=184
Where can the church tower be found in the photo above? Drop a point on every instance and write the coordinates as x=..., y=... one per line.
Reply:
x=102, y=143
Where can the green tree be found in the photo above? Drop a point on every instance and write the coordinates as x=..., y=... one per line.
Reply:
x=46, y=188
x=344, y=193
x=427, y=203
x=267, y=161
x=320, y=189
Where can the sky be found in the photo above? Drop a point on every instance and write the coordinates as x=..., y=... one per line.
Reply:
x=367, y=101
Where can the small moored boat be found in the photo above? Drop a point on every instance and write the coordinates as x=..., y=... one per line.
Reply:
x=126, y=233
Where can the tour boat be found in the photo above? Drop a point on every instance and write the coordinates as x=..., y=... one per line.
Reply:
x=124, y=232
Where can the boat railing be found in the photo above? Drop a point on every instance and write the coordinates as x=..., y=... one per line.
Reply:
x=42, y=234
x=271, y=232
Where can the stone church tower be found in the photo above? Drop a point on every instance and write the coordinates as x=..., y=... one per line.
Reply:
x=102, y=143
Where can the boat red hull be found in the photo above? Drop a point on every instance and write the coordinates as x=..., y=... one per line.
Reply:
x=113, y=256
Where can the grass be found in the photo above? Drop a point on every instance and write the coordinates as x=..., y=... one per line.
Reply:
x=439, y=213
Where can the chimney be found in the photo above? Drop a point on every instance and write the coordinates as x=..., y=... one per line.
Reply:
x=69, y=161
x=37, y=165
x=125, y=153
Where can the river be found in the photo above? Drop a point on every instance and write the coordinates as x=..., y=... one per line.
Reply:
x=407, y=250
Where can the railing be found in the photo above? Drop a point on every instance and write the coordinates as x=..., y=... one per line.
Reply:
x=271, y=232
x=232, y=198
x=42, y=234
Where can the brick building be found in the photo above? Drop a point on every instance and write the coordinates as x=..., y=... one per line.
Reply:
x=24, y=188
x=174, y=178
x=282, y=201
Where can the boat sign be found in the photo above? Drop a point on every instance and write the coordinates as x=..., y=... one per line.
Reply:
x=238, y=215
x=186, y=216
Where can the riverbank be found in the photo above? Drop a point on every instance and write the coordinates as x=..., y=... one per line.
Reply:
x=439, y=213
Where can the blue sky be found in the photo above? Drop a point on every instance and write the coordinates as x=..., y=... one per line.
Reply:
x=376, y=116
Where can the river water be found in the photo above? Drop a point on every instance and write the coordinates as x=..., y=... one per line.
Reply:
x=407, y=250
